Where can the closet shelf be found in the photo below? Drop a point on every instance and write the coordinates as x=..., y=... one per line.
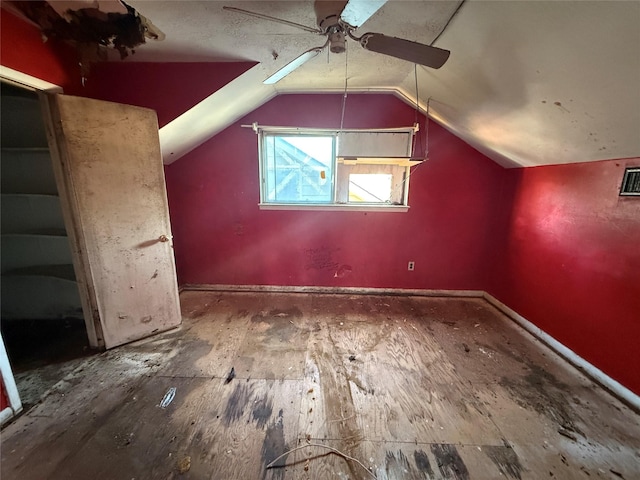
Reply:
x=64, y=272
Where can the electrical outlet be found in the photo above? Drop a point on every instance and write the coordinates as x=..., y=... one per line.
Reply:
x=411, y=266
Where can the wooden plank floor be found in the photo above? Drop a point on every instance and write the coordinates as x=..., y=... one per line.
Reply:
x=410, y=387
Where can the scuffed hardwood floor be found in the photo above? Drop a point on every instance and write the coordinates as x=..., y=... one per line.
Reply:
x=411, y=387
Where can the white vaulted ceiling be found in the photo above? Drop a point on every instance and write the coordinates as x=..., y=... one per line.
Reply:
x=527, y=83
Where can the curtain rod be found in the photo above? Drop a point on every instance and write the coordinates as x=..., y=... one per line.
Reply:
x=269, y=128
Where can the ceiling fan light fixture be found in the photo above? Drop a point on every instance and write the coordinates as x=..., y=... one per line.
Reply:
x=337, y=41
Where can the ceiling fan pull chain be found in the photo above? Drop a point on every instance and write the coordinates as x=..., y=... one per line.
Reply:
x=344, y=97
x=417, y=139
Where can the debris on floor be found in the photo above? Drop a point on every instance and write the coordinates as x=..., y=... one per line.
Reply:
x=438, y=411
x=184, y=464
x=168, y=397
x=566, y=433
x=231, y=376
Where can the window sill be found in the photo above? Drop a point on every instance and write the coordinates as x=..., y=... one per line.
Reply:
x=335, y=207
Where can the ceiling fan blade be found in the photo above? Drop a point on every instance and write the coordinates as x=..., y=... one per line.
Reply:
x=356, y=12
x=413, y=52
x=291, y=66
x=273, y=19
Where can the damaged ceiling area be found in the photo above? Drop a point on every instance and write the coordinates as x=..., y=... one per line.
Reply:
x=91, y=26
x=527, y=82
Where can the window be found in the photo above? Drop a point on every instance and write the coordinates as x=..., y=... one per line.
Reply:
x=328, y=169
x=297, y=168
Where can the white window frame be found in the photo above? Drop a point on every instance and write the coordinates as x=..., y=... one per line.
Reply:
x=370, y=159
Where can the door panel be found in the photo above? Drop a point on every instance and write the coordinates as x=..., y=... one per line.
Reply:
x=112, y=175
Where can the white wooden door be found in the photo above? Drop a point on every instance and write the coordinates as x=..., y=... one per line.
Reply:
x=110, y=176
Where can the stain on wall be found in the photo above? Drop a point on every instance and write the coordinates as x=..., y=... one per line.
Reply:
x=322, y=258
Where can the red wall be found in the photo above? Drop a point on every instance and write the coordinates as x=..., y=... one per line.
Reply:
x=4, y=400
x=168, y=88
x=22, y=49
x=221, y=236
x=570, y=260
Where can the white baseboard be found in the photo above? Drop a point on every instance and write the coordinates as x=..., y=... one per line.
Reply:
x=613, y=386
x=340, y=290
x=6, y=414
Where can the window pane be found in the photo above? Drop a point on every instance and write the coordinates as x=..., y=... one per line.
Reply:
x=370, y=187
x=371, y=183
x=298, y=168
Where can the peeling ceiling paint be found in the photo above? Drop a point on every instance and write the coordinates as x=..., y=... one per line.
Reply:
x=91, y=26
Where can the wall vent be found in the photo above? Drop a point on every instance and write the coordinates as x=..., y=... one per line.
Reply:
x=631, y=182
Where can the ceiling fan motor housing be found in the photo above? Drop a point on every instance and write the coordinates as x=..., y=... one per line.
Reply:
x=328, y=16
x=328, y=13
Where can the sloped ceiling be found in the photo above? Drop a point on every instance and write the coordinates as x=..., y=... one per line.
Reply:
x=528, y=82
x=536, y=83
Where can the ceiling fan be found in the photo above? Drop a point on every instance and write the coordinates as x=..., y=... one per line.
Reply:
x=337, y=21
